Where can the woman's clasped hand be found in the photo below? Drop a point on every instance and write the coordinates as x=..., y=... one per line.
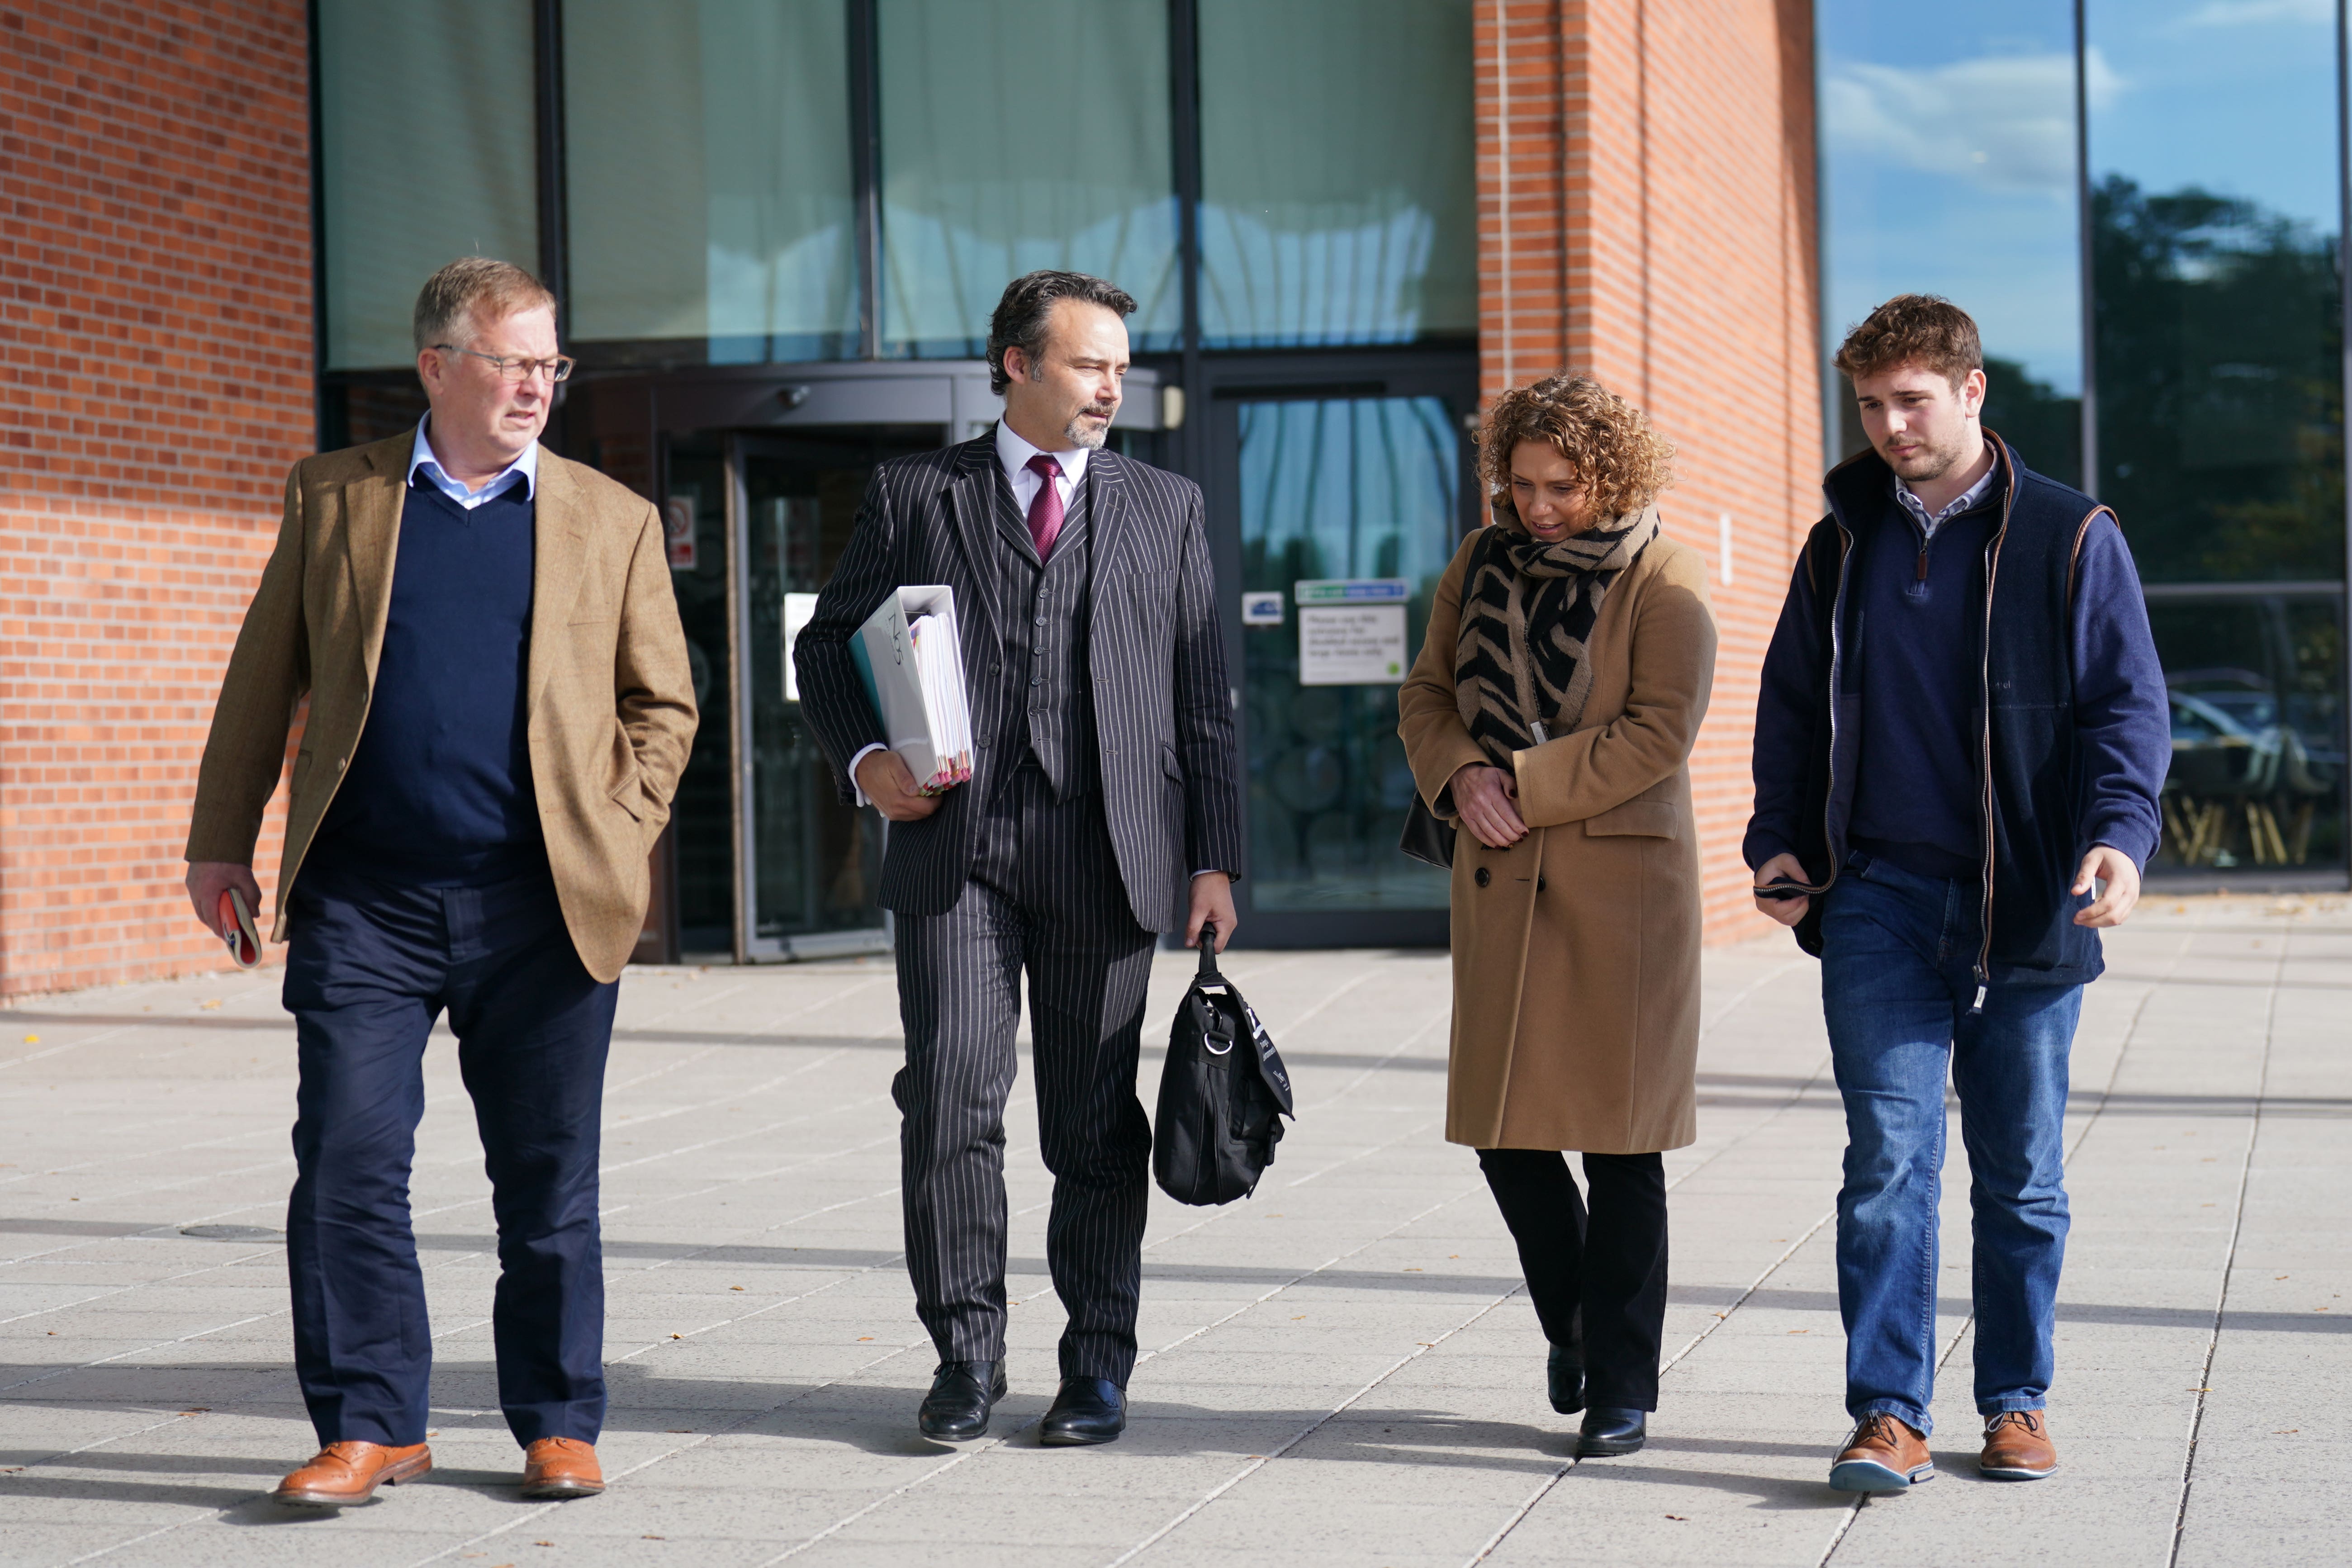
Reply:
x=1488, y=799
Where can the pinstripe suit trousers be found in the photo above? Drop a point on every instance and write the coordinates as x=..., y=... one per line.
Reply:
x=1044, y=899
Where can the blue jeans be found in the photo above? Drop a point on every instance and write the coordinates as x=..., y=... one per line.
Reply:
x=1897, y=977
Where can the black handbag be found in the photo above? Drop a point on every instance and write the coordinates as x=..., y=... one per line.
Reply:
x=1428, y=837
x=1222, y=1093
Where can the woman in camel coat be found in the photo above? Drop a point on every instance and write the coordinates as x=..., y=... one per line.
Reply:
x=1550, y=716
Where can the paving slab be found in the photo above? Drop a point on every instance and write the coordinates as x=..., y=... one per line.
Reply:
x=1344, y=1369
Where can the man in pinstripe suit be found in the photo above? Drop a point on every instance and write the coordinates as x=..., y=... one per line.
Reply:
x=1104, y=808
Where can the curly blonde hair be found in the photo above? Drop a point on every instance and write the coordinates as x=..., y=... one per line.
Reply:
x=1622, y=461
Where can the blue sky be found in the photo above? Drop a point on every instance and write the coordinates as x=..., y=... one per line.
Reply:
x=1949, y=147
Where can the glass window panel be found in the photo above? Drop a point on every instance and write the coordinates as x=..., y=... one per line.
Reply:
x=2214, y=225
x=1361, y=487
x=2258, y=752
x=816, y=862
x=1948, y=167
x=1017, y=136
x=1338, y=191
x=427, y=152
x=709, y=179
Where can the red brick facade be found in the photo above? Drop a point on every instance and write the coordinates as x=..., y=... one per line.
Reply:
x=155, y=302
x=1646, y=183
x=1646, y=212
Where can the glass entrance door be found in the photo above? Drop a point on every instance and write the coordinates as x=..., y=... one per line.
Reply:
x=1348, y=509
x=770, y=863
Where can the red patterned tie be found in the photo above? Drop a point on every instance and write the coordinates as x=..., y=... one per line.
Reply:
x=1045, y=508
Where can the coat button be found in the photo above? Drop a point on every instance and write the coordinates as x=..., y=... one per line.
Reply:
x=1540, y=884
x=1481, y=876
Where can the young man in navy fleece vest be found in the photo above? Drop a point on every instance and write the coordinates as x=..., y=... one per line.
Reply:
x=1960, y=740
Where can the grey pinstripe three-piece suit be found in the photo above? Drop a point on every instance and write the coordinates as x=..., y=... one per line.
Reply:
x=1106, y=775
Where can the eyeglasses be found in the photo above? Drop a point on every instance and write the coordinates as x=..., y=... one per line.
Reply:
x=512, y=369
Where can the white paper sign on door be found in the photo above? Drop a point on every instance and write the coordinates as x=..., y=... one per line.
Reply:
x=1351, y=644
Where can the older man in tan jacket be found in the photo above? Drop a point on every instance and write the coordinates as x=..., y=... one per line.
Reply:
x=500, y=710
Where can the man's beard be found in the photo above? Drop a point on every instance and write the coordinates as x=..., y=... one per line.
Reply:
x=1927, y=463
x=1080, y=434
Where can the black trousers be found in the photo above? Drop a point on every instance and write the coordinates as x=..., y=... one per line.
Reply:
x=1599, y=1282
x=1043, y=900
x=369, y=968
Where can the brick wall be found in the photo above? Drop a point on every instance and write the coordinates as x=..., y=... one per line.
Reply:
x=155, y=306
x=1645, y=182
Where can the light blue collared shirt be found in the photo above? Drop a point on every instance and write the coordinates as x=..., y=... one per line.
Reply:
x=525, y=469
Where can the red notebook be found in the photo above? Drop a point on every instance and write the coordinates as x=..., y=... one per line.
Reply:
x=237, y=930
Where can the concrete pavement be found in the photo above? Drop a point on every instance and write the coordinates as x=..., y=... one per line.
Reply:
x=1341, y=1369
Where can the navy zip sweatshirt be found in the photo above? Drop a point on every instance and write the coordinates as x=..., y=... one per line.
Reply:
x=439, y=790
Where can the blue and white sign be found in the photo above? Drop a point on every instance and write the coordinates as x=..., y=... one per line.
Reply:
x=1261, y=609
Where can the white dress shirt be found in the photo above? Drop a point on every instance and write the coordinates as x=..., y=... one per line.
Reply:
x=524, y=468
x=1014, y=452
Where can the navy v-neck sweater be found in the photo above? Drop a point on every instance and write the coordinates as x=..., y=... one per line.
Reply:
x=439, y=791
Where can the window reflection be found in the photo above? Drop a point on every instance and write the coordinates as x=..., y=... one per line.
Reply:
x=1948, y=167
x=1017, y=135
x=427, y=152
x=709, y=179
x=2215, y=213
x=1339, y=201
x=2258, y=748
x=1343, y=487
x=2219, y=319
x=2221, y=392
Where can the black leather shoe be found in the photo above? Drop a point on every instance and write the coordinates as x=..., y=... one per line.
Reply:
x=1608, y=1429
x=1087, y=1410
x=962, y=1393
x=1564, y=1376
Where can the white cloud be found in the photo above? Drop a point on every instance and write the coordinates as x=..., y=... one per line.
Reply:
x=2002, y=124
x=2237, y=13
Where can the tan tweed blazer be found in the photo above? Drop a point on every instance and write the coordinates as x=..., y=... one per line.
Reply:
x=611, y=705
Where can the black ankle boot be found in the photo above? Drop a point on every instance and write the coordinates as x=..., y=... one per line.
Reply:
x=1610, y=1429
x=1564, y=1379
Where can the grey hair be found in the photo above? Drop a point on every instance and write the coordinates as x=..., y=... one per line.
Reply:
x=456, y=300
x=1028, y=307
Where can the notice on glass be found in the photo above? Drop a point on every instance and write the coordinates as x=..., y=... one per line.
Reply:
x=1351, y=644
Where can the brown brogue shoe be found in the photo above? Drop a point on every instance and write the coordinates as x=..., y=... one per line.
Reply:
x=347, y=1473
x=2017, y=1447
x=1885, y=1455
x=558, y=1468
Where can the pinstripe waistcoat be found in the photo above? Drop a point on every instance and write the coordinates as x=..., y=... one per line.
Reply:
x=1145, y=690
x=1043, y=697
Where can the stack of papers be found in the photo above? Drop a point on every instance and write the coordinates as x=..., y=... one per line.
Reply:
x=910, y=656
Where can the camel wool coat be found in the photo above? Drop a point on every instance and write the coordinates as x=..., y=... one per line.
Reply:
x=1575, y=996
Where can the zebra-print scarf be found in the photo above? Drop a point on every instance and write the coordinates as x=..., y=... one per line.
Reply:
x=1527, y=609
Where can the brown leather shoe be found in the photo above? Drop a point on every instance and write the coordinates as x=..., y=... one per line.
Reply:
x=346, y=1473
x=557, y=1468
x=2018, y=1448
x=1885, y=1455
